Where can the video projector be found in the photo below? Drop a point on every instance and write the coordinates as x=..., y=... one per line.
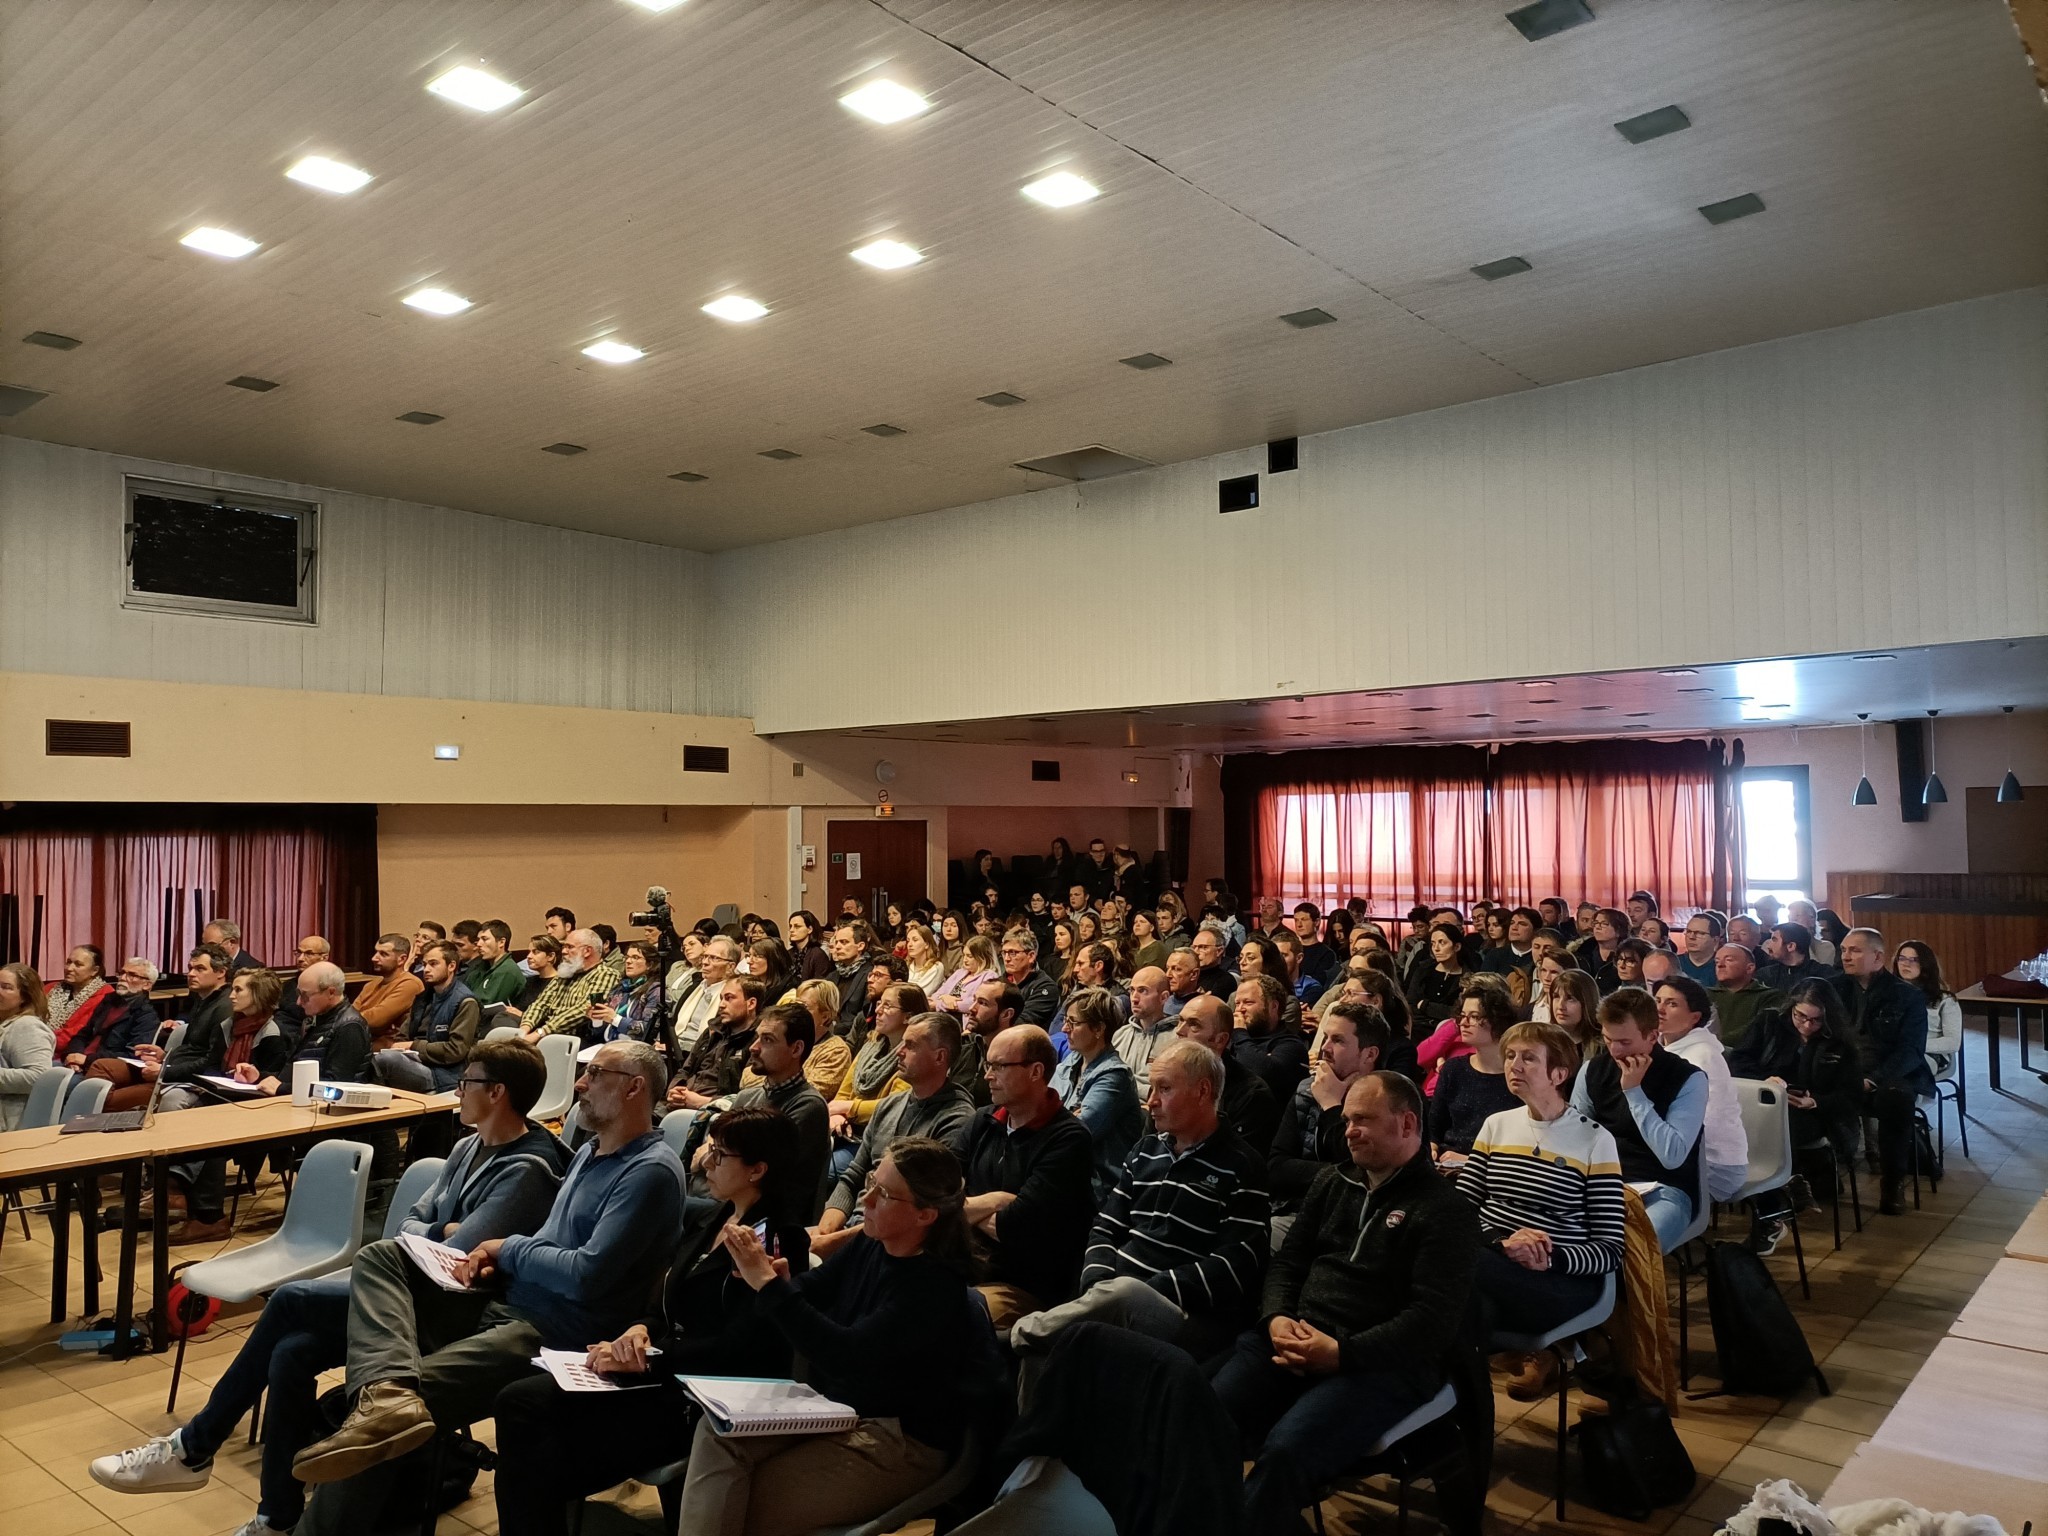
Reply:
x=351, y=1096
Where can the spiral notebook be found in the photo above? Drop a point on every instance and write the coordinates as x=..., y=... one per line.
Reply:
x=752, y=1405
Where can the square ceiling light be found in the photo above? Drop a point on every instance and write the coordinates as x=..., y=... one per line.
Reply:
x=735, y=307
x=884, y=429
x=52, y=340
x=1547, y=18
x=566, y=450
x=476, y=89
x=1730, y=209
x=613, y=352
x=253, y=384
x=329, y=175
x=887, y=255
x=884, y=101
x=1302, y=319
x=14, y=399
x=220, y=242
x=1145, y=361
x=780, y=455
x=657, y=6
x=1645, y=126
x=1062, y=189
x=421, y=418
x=437, y=301
x=1507, y=266
x=1000, y=397
x=689, y=477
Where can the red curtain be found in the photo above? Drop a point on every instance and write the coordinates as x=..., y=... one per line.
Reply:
x=1447, y=826
x=143, y=880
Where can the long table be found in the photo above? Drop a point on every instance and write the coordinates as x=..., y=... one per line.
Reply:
x=48, y=1154
x=1973, y=999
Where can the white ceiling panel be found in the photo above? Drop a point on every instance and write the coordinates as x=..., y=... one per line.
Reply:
x=1254, y=160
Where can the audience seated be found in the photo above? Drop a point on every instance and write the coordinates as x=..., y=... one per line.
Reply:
x=385, y=1001
x=1040, y=993
x=933, y=1106
x=1265, y=1045
x=228, y=935
x=696, y=997
x=585, y=975
x=496, y=1182
x=886, y=1326
x=871, y=1076
x=712, y=1068
x=1704, y=932
x=1472, y=1086
x=543, y=958
x=636, y=1008
x=1360, y=1313
x=853, y=957
x=1653, y=1103
x=440, y=1033
x=1310, y=1134
x=1790, y=947
x=26, y=1039
x=1914, y=963
x=72, y=1001
x=1737, y=996
x=108, y=1025
x=1096, y=1086
x=1029, y=1165
x=1819, y=946
x=1179, y=1244
x=1888, y=1018
x=1438, y=976
x=1149, y=1030
x=1519, y=952
x=1248, y=1106
x=556, y=1446
x=781, y=1040
x=995, y=1007
x=1806, y=1050
x=493, y=976
x=420, y=1356
x=1547, y=1184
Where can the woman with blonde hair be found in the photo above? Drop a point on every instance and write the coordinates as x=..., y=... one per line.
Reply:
x=925, y=967
x=27, y=1043
x=827, y=1061
x=977, y=964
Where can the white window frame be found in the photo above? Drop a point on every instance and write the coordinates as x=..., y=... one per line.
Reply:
x=306, y=516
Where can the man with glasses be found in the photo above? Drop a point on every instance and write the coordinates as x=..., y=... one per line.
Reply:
x=1211, y=948
x=1020, y=969
x=1703, y=931
x=1029, y=1167
x=497, y=1181
x=419, y=1355
x=116, y=1026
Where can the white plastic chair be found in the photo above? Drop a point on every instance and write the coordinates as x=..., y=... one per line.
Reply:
x=175, y=1038
x=1767, y=1123
x=559, y=1052
x=88, y=1096
x=675, y=1128
x=503, y=1032
x=322, y=1229
x=417, y=1179
x=1702, y=1218
x=1554, y=1341
x=45, y=1108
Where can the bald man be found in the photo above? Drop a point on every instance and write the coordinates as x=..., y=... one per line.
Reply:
x=1248, y=1104
x=334, y=1035
x=1149, y=1031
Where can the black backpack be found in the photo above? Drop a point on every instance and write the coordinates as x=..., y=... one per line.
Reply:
x=1631, y=1460
x=1758, y=1340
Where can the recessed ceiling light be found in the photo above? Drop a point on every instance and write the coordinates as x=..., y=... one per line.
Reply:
x=329, y=175
x=1703, y=688
x=1735, y=698
x=1062, y=189
x=1507, y=266
x=884, y=101
x=884, y=429
x=1547, y=18
x=219, y=242
x=437, y=301
x=1595, y=709
x=1679, y=672
x=656, y=6
x=566, y=450
x=1302, y=319
x=448, y=752
x=253, y=384
x=1528, y=722
x=1640, y=714
x=1540, y=701
x=688, y=477
x=1876, y=656
x=613, y=352
x=780, y=455
x=475, y=89
x=1534, y=684
x=1426, y=709
x=887, y=255
x=1000, y=397
x=1645, y=126
x=1732, y=208
x=1145, y=361
x=52, y=340
x=1482, y=715
x=735, y=307
x=421, y=418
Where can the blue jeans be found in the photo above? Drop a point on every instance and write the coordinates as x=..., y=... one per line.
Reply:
x=302, y=1332
x=1670, y=1211
x=1307, y=1431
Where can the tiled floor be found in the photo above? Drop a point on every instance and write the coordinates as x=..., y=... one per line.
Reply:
x=1879, y=1306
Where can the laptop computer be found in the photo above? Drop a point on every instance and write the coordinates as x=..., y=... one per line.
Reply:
x=118, y=1119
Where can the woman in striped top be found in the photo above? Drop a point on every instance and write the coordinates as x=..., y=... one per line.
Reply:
x=1547, y=1182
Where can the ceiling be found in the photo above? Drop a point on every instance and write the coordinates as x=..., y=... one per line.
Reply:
x=1977, y=678
x=1255, y=160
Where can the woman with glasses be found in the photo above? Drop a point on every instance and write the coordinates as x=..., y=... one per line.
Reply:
x=886, y=1326
x=1805, y=1050
x=1915, y=964
x=556, y=1446
x=634, y=1010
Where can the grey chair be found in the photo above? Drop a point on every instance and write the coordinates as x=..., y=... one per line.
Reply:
x=559, y=1052
x=88, y=1096
x=1554, y=1342
x=1767, y=1124
x=417, y=1179
x=1399, y=1452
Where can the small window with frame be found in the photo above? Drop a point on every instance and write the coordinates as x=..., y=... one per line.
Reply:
x=219, y=553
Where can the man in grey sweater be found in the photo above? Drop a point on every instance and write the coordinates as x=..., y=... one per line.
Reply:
x=935, y=1106
x=499, y=1181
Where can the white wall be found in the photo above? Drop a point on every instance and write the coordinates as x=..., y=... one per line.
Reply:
x=414, y=601
x=1975, y=750
x=1883, y=484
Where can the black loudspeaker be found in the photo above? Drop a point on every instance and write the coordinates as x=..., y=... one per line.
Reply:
x=1180, y=826
x=1911, y=737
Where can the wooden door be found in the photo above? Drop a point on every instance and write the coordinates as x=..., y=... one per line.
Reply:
x=889, y=856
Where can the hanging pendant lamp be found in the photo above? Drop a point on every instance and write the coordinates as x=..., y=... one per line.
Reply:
x=1865, y=795
x=2009, y=791
x=1934, y=793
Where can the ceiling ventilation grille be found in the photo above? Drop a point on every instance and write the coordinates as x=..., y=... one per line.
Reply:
x=707, y=759
x=85, y=738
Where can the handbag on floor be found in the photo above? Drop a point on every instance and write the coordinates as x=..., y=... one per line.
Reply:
x=1631, y=1460
x=1759, y=1341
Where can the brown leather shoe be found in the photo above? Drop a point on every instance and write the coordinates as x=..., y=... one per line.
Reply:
x=1538, y=1373
x=197, y=1231
x=388, y=1420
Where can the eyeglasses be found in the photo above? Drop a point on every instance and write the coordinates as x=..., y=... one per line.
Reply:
x=872, y=1190
x=1807, y=1016
x=997, y=1066
x=466, y=1081
x=594, y=1070
x=716, y=1156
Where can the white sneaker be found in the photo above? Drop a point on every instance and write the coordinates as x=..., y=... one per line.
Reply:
x=156, y=1467
x=258, y=1526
